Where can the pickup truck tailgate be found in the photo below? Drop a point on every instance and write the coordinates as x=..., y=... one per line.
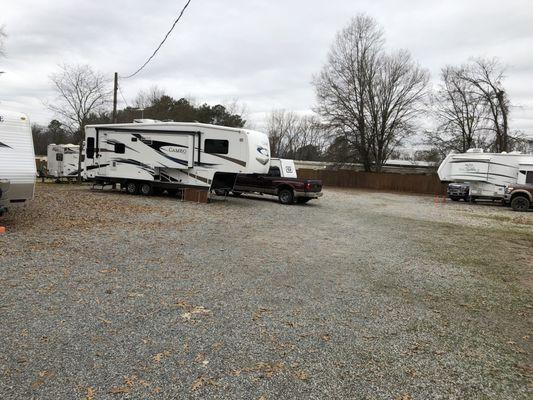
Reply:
x=313, y=185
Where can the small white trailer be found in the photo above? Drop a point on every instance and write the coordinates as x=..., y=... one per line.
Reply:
x=17, y=160
x=149, y=156
x=486, y=174
x=63, y=161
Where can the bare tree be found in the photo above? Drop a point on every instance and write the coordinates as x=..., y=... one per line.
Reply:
x=472, y=109
x=81, y=91
x=367, y=96
x=147, y=98
x=281, y=125
x=395, y=100
x=486, y=79
x=295, y=136
x=460, y=113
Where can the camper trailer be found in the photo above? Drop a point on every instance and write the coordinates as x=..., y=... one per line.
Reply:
x=486, y=174
x=17, y=160
x=63, y=161
x=150, y=155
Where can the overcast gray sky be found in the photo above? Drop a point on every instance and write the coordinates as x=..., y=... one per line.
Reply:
x=263, y=53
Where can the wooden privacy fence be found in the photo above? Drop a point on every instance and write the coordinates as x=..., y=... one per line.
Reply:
x=409, y=183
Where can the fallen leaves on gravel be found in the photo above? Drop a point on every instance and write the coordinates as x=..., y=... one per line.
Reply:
x=201, y=381
x=197, y=310
x=260, y=312
x=119, y=390
x=404, y=397
x=108, y=270
x=301, y=375
x=129, y=383
x=90, y=394
x=159, y=356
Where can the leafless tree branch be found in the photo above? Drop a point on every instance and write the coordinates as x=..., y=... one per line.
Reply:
x=371, y=98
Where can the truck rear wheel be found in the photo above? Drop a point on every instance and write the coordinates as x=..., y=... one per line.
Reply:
x=131, y=188
x=286, y=196
x=146, y=189
x=520, y=203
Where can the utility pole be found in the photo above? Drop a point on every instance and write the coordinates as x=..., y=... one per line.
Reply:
x=115, y=88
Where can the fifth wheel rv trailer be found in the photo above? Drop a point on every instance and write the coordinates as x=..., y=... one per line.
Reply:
x=148, y=156
x=486, y=174
x=63, y=160
x=17, y=160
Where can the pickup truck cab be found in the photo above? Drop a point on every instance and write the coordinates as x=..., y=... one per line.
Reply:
x=519, y=197
x=281, y=181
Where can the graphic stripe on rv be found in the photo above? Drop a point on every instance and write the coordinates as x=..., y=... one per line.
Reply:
x=480, y=162
x=4, y=145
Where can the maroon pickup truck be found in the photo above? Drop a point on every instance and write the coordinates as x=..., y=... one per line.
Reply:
x=288, y=190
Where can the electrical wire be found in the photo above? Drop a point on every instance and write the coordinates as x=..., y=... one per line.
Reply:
x=160, y=44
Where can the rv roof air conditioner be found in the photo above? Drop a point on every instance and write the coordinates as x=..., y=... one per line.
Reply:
x=145, y=121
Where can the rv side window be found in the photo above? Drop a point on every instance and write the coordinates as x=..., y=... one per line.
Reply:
x=120, y=148
x=274, y=171
x=529, y=177
x=59, y=157
x=90, y=147
x=216, y=146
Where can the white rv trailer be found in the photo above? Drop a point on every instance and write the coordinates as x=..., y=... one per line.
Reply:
x=487, y=174
x=63, y=160
x=17, y=160
x=170, y=155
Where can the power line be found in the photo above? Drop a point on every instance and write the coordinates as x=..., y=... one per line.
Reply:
x=160, y=44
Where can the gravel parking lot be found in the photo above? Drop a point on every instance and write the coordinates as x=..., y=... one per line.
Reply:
x=359, y=295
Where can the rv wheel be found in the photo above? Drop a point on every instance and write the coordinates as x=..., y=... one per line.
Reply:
x=286, y=196
x=131, y=188
x=146, y=189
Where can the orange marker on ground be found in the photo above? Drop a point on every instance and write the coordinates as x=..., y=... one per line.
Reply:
x=2, y=230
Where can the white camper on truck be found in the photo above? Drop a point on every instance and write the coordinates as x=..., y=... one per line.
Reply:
x=147, y=156
x=63, y=161
x=485, y=174
x=17, y=160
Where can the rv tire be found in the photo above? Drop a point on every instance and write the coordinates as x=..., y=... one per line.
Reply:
x=285, y=196
x=131, y=188
x=146, y=189
x=520, y=203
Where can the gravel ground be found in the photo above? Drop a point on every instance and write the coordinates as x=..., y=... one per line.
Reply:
x=359, y=295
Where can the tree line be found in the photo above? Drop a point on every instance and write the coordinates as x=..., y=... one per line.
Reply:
x=369, y=100
x=84, y=99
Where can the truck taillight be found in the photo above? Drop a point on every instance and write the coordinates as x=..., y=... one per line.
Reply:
x=308, y=186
